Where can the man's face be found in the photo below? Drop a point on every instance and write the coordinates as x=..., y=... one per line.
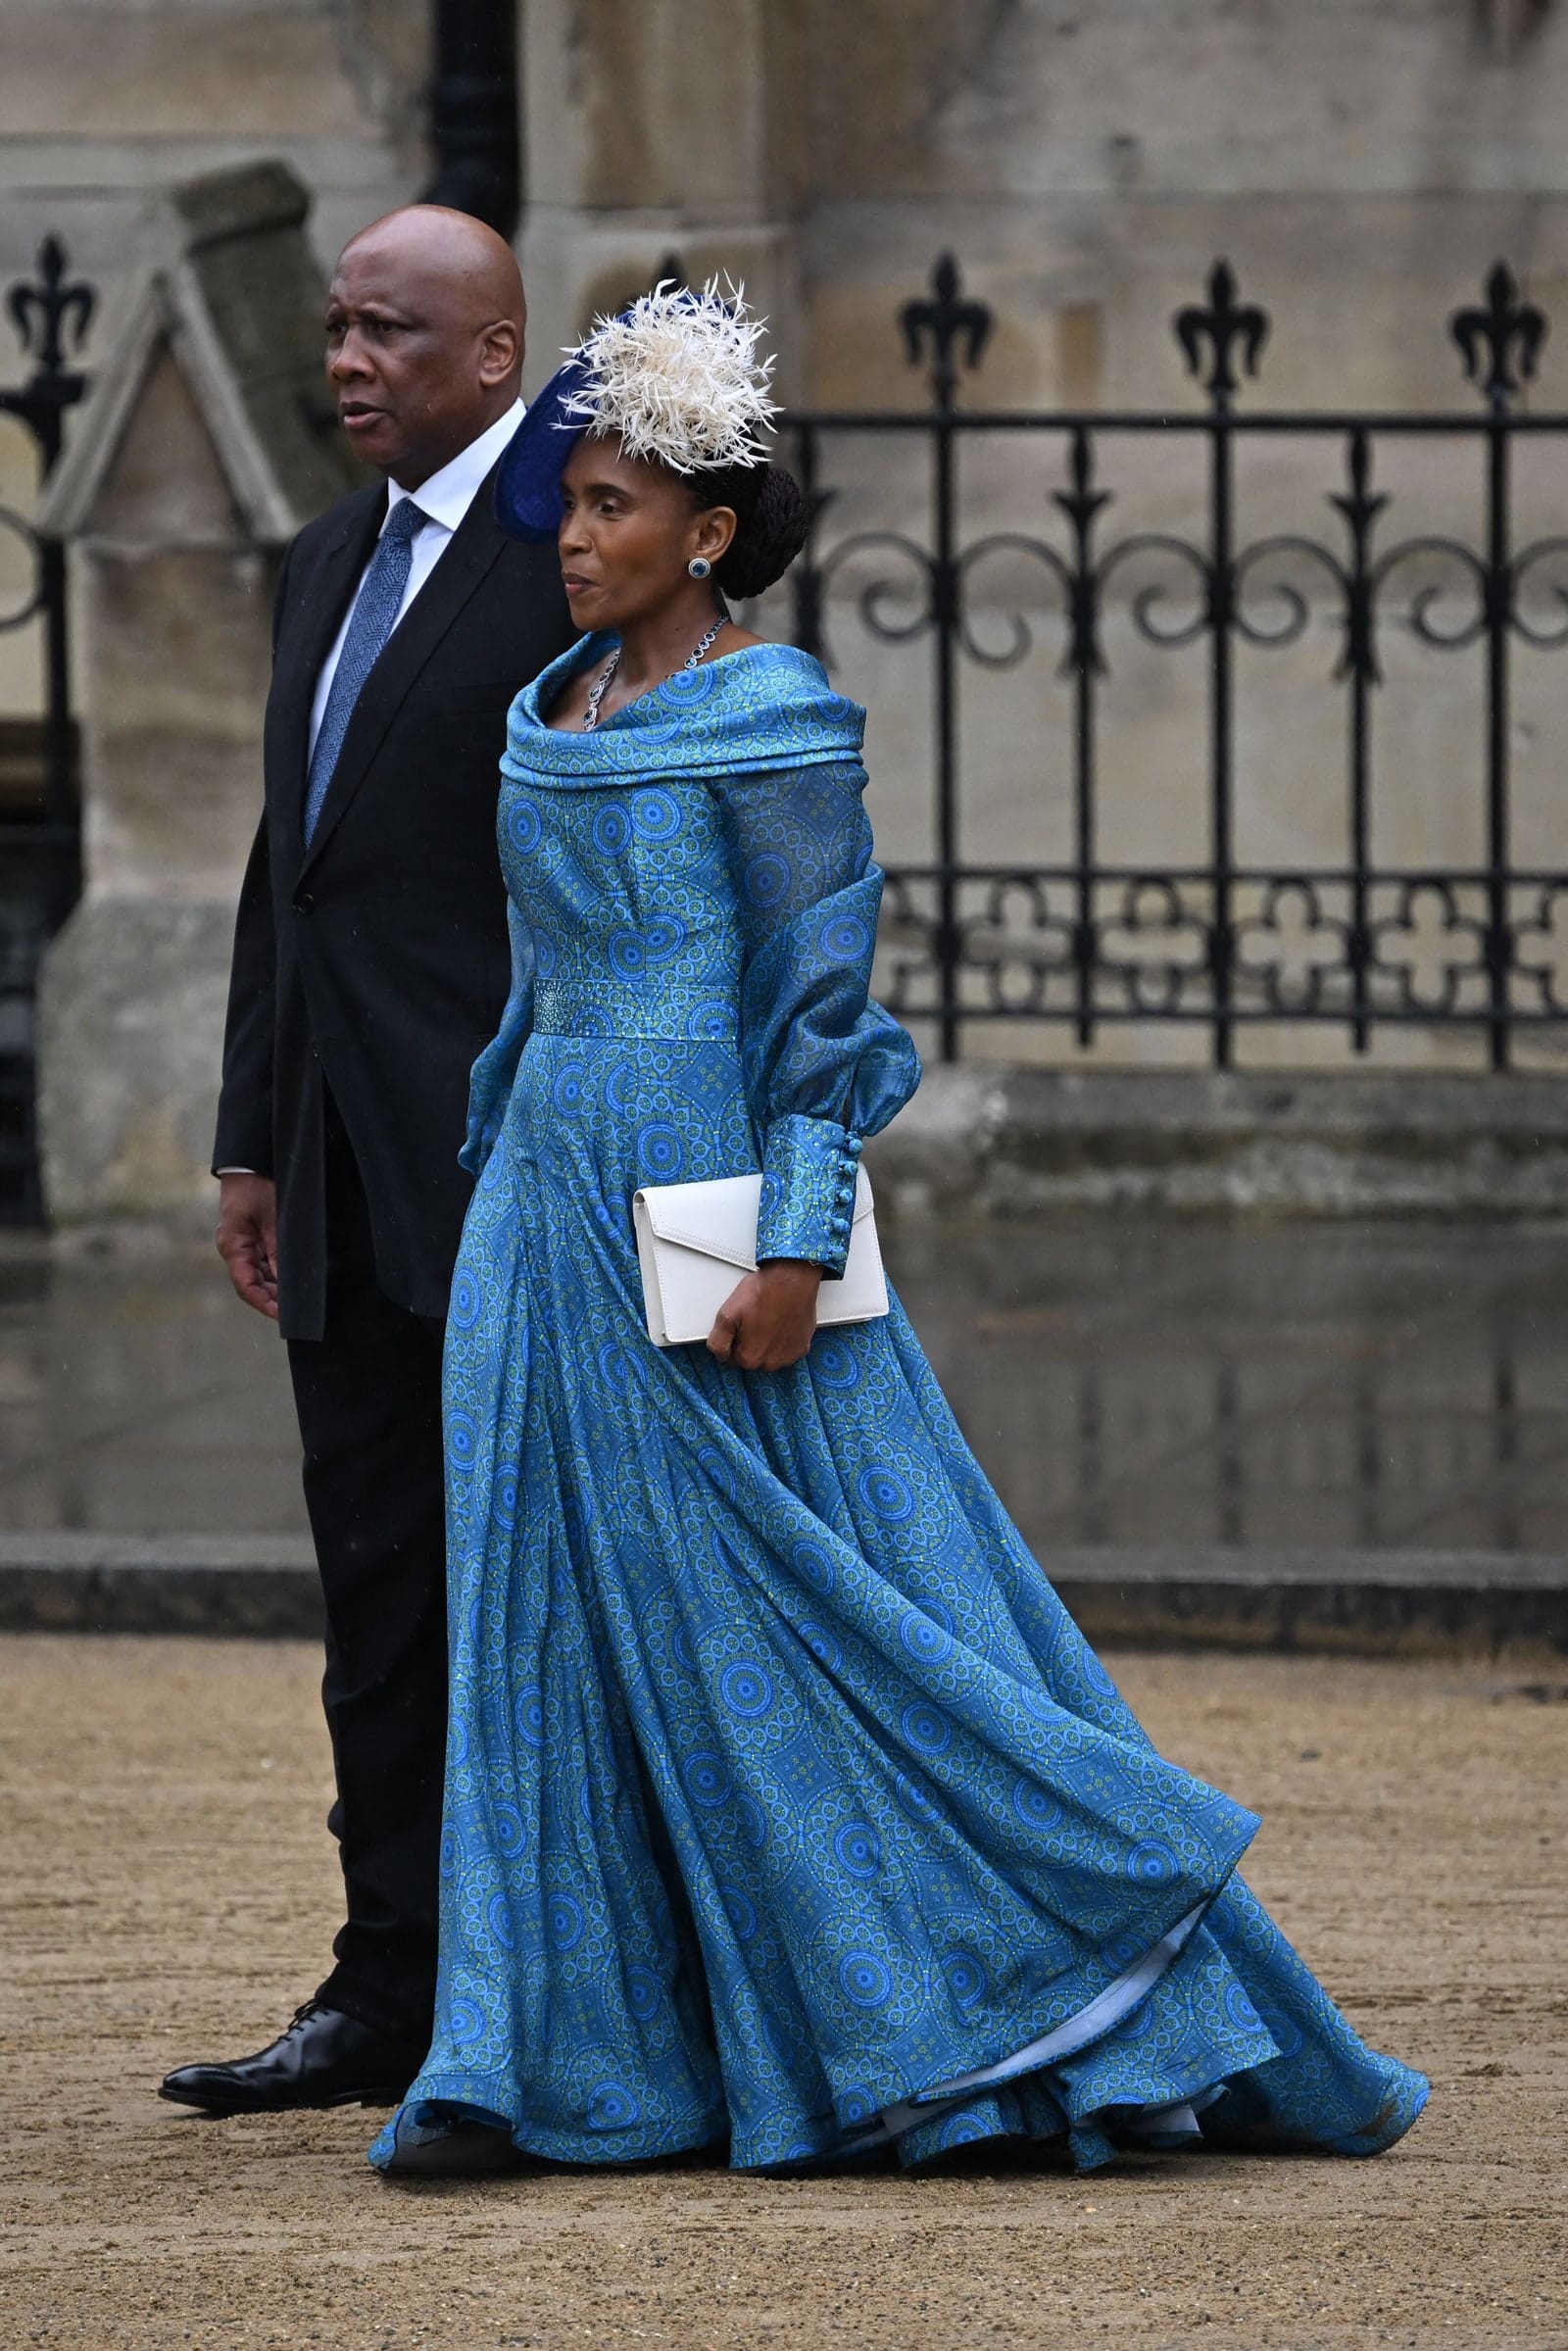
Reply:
x=416, y=367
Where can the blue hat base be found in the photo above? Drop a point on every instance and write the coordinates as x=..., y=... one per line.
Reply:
x=527, y=494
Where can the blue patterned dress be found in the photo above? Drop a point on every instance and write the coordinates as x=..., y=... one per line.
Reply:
x=786, y=1807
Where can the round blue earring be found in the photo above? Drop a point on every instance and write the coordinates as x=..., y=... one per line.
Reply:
x=699, y=567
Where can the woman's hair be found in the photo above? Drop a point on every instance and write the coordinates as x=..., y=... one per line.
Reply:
x=770, y=523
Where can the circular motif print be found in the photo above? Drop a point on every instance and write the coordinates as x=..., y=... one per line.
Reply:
x=925, y=1728
x=924, y=1639
x=746, y=1690
x=1035, y=1807
x=654, y=814
x=811, y=1562
x=612, y=829
x=465, y=2021
x=565, y=1920
x=706, y=1778
x=966, y=1978
x=864, y=1979
x=858, y=1849
x=884, y=1492
x=822, y=1646
x=523, y=826
x=768, y=877
x=1152, y=1864
x=845, y=938
x=611, y=2107
x=644, y=1993
x=499, y=1918
x=660, y=1154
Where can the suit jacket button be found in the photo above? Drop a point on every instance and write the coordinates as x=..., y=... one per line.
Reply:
x=302, y=902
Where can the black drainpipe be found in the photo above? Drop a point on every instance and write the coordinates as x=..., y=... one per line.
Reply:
x=473, y=109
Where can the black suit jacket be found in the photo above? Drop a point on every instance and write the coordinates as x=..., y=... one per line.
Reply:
x=378, y=960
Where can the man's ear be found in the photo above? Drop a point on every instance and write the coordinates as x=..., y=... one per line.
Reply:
x=500, y=353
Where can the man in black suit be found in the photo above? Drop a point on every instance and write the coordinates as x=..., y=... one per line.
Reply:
x=370, y=968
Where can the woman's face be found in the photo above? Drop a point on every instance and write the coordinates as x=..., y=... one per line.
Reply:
x=628, y=530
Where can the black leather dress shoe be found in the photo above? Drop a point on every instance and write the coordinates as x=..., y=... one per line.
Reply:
x=325, y=2058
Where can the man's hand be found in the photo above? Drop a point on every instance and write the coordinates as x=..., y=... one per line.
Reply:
x=768, y=1320
x=247, y=1238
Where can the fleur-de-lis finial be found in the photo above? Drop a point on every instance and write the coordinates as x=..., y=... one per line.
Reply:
x=44, y=309
x=1507, y=336
x=1227, y=327
x=952, y=324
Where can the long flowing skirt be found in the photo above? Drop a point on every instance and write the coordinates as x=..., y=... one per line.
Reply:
x=787, y=1810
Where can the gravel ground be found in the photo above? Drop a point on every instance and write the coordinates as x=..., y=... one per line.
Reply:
x=168, y=1891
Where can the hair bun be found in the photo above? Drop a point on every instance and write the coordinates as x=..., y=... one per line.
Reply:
x=770, y=532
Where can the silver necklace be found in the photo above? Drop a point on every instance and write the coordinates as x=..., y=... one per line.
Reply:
x=600, y=686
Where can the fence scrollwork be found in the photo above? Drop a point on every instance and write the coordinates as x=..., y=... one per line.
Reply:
x=50, y=314
x=1217, y=943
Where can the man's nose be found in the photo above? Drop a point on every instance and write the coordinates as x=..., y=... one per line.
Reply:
x=349, y=359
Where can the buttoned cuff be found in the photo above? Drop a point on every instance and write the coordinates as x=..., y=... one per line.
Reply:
x=809, y=1172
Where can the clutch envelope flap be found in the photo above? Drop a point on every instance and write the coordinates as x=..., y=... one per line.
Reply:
x=718, y=1220
x=692, y=1238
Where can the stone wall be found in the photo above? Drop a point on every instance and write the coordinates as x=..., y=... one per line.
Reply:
x=191, y=468
x=106, y=103
x=103, y=101
x=1361, y=162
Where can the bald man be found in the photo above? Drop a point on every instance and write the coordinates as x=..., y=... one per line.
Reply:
x=370, y=966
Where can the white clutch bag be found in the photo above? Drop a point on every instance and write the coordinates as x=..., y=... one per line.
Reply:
x=695, y=1241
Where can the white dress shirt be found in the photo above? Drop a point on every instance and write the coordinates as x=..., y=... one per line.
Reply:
x=443, y=501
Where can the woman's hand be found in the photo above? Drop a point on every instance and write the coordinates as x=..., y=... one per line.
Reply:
x=769, y=1318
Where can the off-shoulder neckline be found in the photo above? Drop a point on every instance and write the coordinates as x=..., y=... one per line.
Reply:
x=759, y=706
x=586, y=651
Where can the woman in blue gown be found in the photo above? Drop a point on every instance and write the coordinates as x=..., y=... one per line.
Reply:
x=787, y=1811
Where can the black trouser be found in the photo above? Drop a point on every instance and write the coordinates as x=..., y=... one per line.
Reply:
x=369, y=1400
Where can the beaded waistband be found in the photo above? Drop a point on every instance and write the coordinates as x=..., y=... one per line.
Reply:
x=673, y=1012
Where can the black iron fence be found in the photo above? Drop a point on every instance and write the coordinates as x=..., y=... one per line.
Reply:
x=40, y=851
x=1217, y=940
x=1357, y=943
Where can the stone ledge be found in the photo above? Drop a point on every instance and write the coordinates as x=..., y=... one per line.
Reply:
x=1358, y=1603
x=1004, y=1141
x=261, y=1588
x=1369, y=1603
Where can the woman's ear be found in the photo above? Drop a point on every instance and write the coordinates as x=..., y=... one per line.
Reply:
x=715, y=529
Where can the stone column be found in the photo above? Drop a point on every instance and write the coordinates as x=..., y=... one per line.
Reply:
x=202, y=450
x=651, y=128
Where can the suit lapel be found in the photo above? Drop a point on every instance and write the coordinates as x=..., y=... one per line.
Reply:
x=474, y=548
x=313, y=620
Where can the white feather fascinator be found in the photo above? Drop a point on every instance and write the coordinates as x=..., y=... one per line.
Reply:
x=677, y=377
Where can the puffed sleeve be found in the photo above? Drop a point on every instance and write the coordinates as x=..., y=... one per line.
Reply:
x=824, y=1065
x=490, y=1081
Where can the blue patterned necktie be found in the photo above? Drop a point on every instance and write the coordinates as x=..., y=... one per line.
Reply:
x=374, y=618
